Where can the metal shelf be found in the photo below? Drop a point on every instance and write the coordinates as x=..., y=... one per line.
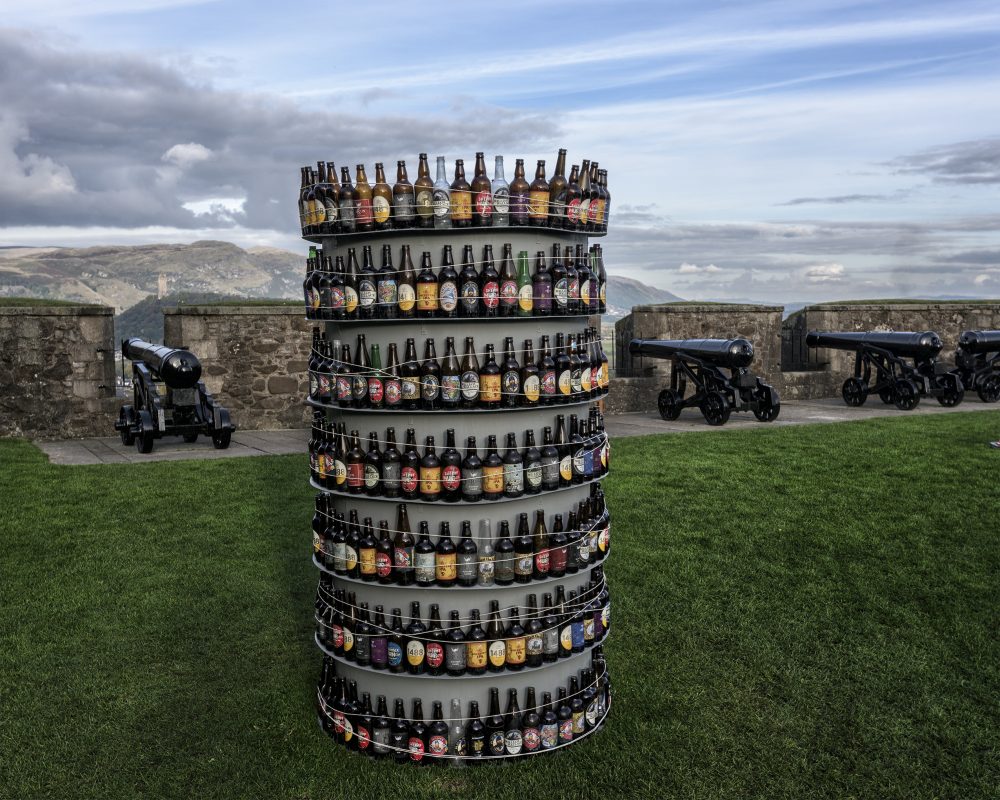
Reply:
x=539, y=407
x=456, y=504
x=391, y=233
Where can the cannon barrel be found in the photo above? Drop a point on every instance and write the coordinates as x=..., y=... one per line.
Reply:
x=179, y=369
x=733, y=353
x=979, y=341
x=910, y=344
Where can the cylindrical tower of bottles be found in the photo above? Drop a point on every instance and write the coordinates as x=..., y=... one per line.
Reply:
x=470, y=573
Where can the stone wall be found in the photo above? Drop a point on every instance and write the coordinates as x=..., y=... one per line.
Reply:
x=254, y=359
x=57, y=371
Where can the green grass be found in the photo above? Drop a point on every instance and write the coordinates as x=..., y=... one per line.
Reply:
x=798, y=612
x=40, y=302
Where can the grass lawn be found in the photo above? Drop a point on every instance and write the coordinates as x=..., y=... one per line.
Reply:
x=798, y=612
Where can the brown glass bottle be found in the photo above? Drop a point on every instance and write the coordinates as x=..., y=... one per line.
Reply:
x=538, y=210
x=364, y=216
x=461, y=198
x=520, y=196
x=482, y=195
x=424, y=194
x=348, y=223
x=557, y=192
x=403, y=209
x=381, y=200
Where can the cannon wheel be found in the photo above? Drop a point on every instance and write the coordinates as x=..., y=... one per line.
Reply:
x=887, y=394
x=715, y=408
x=907, y=394
x=144, y=440
x=221, y=439
x=190, y=438
x=126, y=418
x=854, y=392
x=953, y=394
x=989, y=389
x=765, y=410
x=668, y=404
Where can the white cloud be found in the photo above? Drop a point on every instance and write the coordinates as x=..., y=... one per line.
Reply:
x=31, y=178
x=825, y=273
x=694, y=269
x=185, y=155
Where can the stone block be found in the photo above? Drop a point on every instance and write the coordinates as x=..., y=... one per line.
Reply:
x=280, y=384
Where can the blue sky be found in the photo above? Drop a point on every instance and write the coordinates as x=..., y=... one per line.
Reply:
x=783, y=151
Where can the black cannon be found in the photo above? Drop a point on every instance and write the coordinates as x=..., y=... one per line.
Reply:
x=977, y=363
x=169, y=399
x=716, y=394
x=905, y=363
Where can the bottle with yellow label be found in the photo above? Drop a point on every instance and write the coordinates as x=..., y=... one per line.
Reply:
x=492, y=471
x=427, y=288
x=406, y=291
x=489, y=381
x=414, y=642
x=475, y=646
x=531, y=384
x=538, y=198
x=460, y=198
x=525, y=287
x=381, y=199
x=430, y=472
x=495, y=636
x=516, y=645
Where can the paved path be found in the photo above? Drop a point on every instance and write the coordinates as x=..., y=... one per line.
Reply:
x=110, y=450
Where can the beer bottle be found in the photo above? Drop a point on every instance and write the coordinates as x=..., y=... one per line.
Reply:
x=393, y=384
x=530, y=382
x=359, y=380
x=447, y=286
x=538, y=209
x=574, y=541
x=534, y=640
x=430, y=378
x=602, y=278
x=424, y=191
x=558, y=549
x=571, y=218
x=495, y=635
x=525, y=287
x=372, y=467
x=577, y=604
x=309, y=292
x=606, y=215
x=409, y=473
x=505, y=557
x=475, y=647
x=386, y=288
x=510, y=372
x=576, y=707
x=560, y=287
x=472, y=473
x=338, y=290
x=451, y=470
x=451, y=377
x=349, y=623
x=409, y=374
x=482, y=196
x=332, y=200
x=513, y=469
x=397, y=644
x=565, y=623
x=353, y=546
x=441, y=195
x=363, y=212
x=458, y=745
x=468, y=280
x=549, y=727
x=492, y=471
x=564, y=371
x=427, y=288
x=594, y=211
x=520, y=196
x=348, y=222
x=576, y=448
x=532, y=464
x=461, y=197
x=437, y=735
x=314, y=367
x=541, y=288
x=513, y=741
x=340, y=547
x=508, y=283
x=329, y=367
x=572, y=282
x=550, y=631
x=403, y=211
x=319, y=528
x=416, y=652
x=595, y=281
x=565, y=453
x=445, y=559
x=434, y=643
x=501, y=195
x=383, y=556
x=417, y=742
x=324, y=288
x=523, y=551
x=583, y=279
x=362, y=631
x=475, y=732
x=541, y=547
x=494, y=725
x=467, y=557
x=454, y=647
x=584, y=213
x=406, y=292
x=351, y=285
x=547, y=374
x=367, y=285
x=399, y=734
x=381, y=200
x=355, y=466
x=486, y=560
x=352, y=710
x=489, y=382
x=489, y=282
x=588, y=450
x=376, y=380
x=305, y=212
x=312, y=204
x=589, y=699
x=516, y=642
x=402, y=548
x=381, y=727
x=557, y=192
x=329, y=450
x=590, y=600
x=575, y=370
x=469, y=376
x=430, y=472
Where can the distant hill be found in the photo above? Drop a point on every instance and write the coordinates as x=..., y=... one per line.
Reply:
x=623, y=293
x=145, y=318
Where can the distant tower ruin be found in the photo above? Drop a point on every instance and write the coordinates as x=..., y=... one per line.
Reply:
x=161, y=287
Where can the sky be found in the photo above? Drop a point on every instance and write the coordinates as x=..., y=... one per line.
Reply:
x=772, y=151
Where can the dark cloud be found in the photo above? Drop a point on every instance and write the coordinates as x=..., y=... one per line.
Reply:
x=83, y=139
x=972, y=162
x=988, y=258
x=836, y=199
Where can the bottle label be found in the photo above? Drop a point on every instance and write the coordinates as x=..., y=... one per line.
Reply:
x=467, y=567
x=508, y=293
x=435, y=654
x=588, y=628
x=359, y=387
x=347, y=213
x=371, y=476
x=381, y=209
x=470, y=385
x=451, y=388
x=438, y=745
x=425, y=203
x=402, y=557
x=603, y=539
x=538, y=204
x=511, y=383
x=578, y=722
x=470, y=295
x=591, y=714
x=383, y=567
x=498, y=653
x=402, y=205
x=408, y=479
x=533, y=475
x=427, y=298
x=451, y=477
x=560, y=293
x=406, y=297
x=489, y=388
x=549, y=736
x=337, y=297
x=337, y=636
x=348, y=730
x=578, y=463
x=501, y=201
x=339, y=556
x=393, y=392
x=513, y=742
x=585, y=379
x=573, y=289
x=604, y=293
x=348, y=640
x=542, y=561
x=566, y=638
x=566, y=468
x=430, y=480
x=323, y=385
x=549, y=383
x=387, y=295
x=351, y=299
x=395, y=654
x=364, y=737
x=487, y=569
x=484, y=204
x=445, y=567
x=573, y=212
x=416, y=748
x=455, y=657
x=448, y=296
x=523, y=564
x=513, y=477
x=515, y=650
x=441, y=203
x=585, y=294
x=472, y=482
x=496, y=743
x=550, y=639
x=491, y=294
x=375, y=389
x=410, y=390
x=355, y=475
x=532, y=388
x=330, y=206
x=519, y=207
x=493, y=480
x=364, y=211
x=525, y=300
x=565, y=383
x=566, y=730
x=533, y=644
x=343, y=388
x=431, y=387
x=475, y=654
x=557, y=203
x=532, y=739
x=461, y=205
x=584, y=212
x=414, y=653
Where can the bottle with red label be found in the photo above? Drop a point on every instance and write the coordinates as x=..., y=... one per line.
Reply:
x=489, y=283
x=392, y=383
x=417, y=742
x=571, y=212
x=482, y=195
x=583, y=216
x=434, y=643
x=541, y=545
x=364, y=729
x=355, y=466
x=470, y=305
x=437, y=736
x=384, y=554
x=508, y=283
x=451, y=469
x=409, y=479
x=402, y=548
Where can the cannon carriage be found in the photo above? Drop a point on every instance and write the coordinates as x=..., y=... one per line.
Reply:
x=905, y=367
x=703, y=362
x=977, y=363
x=169, y=399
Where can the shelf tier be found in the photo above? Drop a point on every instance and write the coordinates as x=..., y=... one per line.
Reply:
x=593, y=319
x=445, y=411
x=506, y=233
